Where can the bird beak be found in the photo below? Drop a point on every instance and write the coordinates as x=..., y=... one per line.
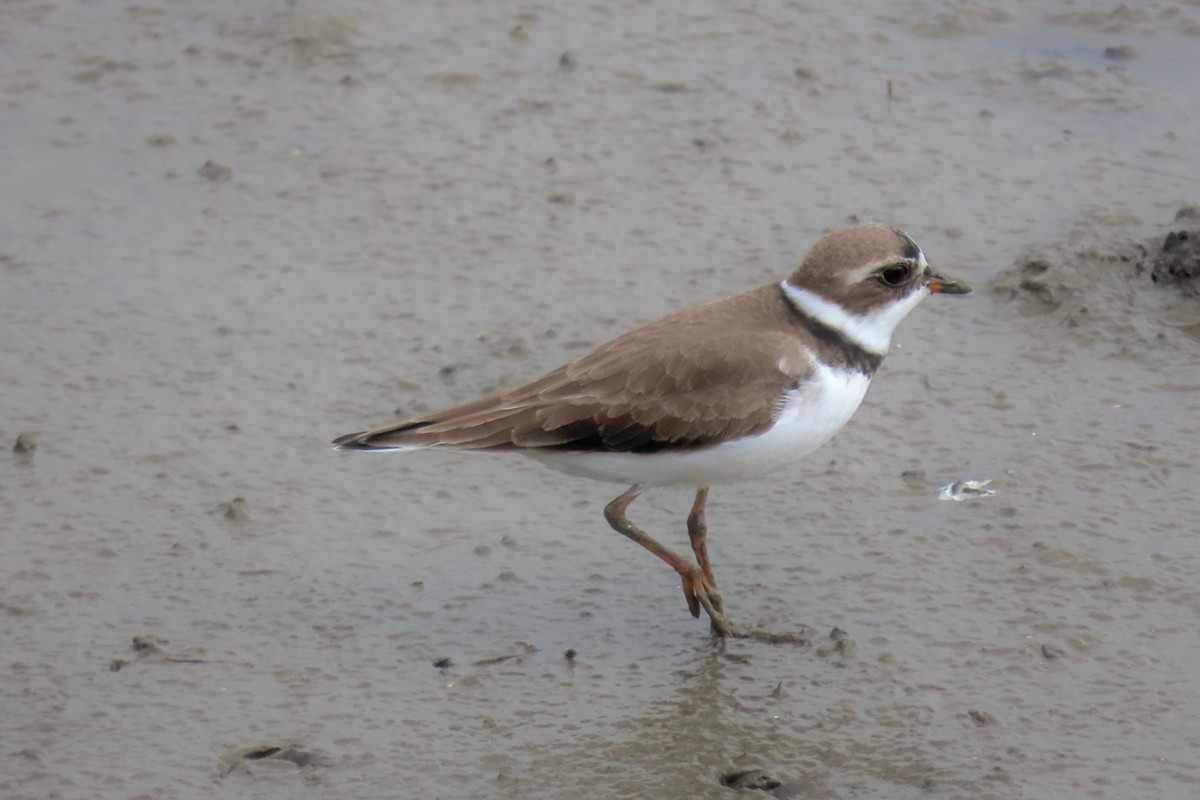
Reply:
x=940, y=284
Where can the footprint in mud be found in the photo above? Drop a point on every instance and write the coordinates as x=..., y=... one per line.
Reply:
x=151, y=649
x=243, y=759
x=762, y=781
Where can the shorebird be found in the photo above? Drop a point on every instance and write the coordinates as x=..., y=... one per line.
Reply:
x=713, y=394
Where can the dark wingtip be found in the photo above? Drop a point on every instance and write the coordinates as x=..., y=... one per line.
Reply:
x=352, y=441
x=380, y=438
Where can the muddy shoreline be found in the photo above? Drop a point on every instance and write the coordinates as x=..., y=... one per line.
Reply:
x=233, y=232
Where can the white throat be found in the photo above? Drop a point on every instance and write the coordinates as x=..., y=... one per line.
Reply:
x=872, y=332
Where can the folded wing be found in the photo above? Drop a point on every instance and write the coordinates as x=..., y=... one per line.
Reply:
x=672, y=383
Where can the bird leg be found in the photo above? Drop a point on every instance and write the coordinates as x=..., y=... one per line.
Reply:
x=698, y=588
x=698, y=533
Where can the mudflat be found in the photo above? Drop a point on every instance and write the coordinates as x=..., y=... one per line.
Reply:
x=233, y=231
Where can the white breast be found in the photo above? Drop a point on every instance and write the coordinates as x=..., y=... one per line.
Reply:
x=811, y=415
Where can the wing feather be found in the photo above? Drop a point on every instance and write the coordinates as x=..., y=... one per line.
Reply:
x=684, y=381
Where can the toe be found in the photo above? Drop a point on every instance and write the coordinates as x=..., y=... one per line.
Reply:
x=691, y=590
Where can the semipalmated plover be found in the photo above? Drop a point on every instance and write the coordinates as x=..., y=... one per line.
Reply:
x=712, y=394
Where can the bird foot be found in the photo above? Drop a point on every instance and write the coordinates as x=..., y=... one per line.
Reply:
x=700, y=593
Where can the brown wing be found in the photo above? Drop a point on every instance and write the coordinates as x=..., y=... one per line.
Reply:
x=688, y=380
x=619, y=398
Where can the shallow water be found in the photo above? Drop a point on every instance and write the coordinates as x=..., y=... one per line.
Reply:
x=409, y=206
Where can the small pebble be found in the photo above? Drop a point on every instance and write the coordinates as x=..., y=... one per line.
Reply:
x=215, y=172
x=1050, y=652
x=235, y=509
x=981, y=717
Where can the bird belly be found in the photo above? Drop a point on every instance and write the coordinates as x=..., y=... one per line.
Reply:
x=810, y=415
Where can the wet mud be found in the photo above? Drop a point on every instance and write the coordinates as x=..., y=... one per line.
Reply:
x=231, y=231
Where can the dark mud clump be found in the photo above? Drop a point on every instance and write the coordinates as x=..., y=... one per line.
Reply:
x=1178, y=262
x=235, y=510
x=25, y=444
x=242, y=759
x=149, y=649
x=1119, y=291
x=745, y=781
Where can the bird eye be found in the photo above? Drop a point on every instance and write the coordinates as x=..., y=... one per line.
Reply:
x=896, y=274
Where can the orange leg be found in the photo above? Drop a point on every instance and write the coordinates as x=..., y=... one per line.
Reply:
x=697, y=587
x=698, y=533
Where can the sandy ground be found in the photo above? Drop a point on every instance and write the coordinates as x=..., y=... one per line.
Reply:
x=231, y=231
